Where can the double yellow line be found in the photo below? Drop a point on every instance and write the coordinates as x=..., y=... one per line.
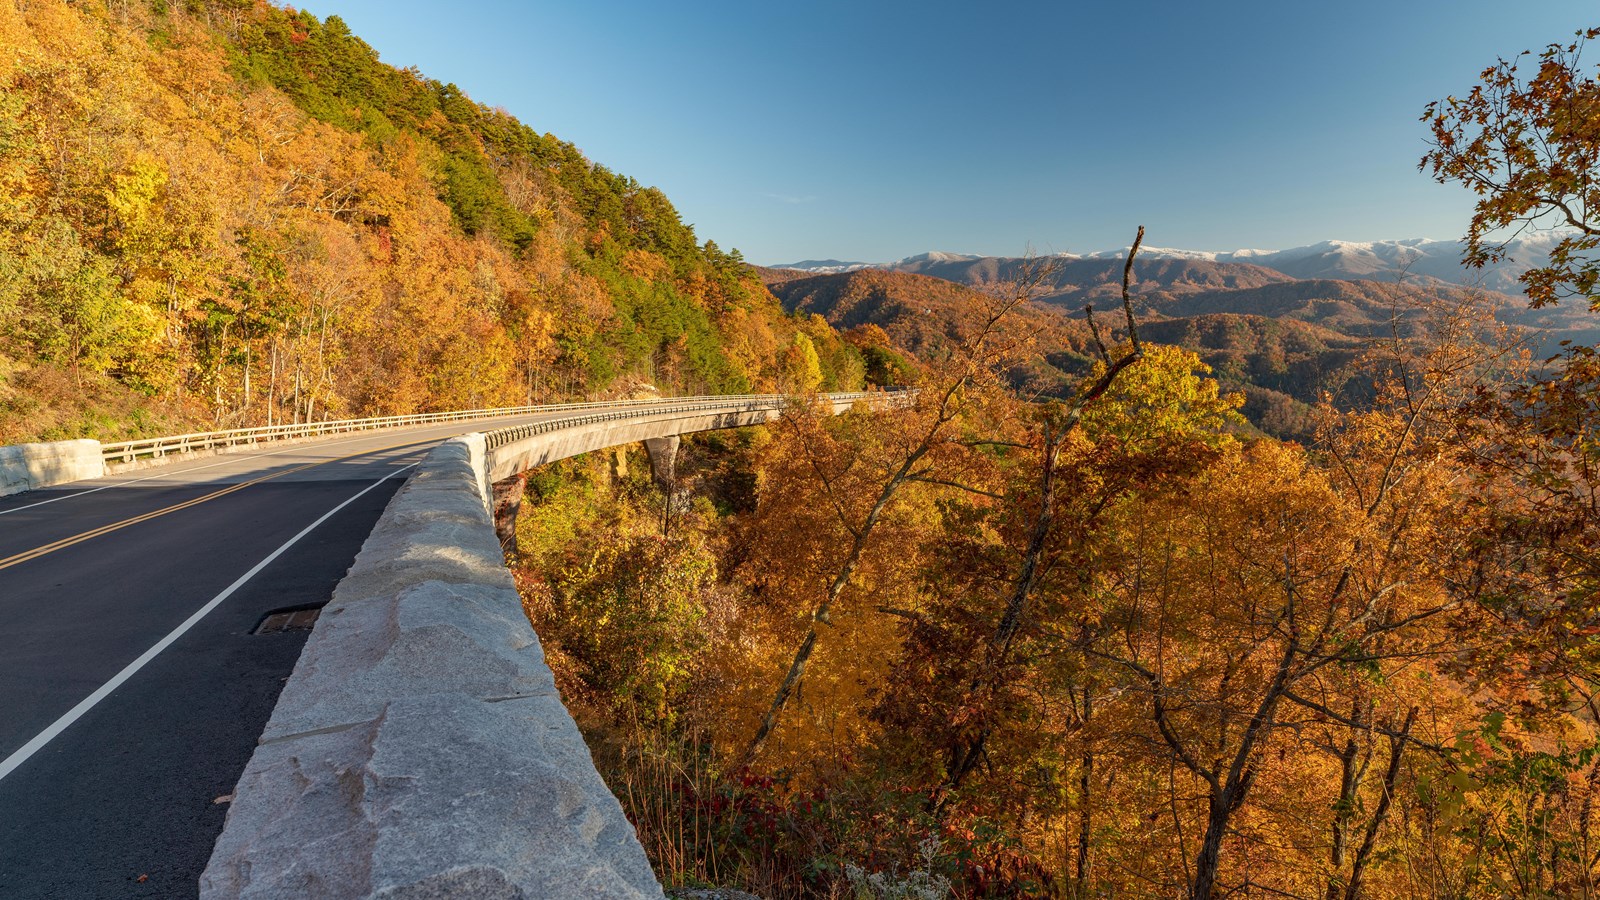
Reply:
x=92, y=533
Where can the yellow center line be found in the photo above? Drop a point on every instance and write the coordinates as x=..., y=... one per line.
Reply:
x=145, y=517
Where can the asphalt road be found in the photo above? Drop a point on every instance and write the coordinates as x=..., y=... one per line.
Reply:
x=122, y=732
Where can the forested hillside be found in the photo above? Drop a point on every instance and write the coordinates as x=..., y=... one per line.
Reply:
x=925, y=318
x=223, y=212
x=1280, y=341
x=1072, y=282
x=1061, y=625
x=1106, y=645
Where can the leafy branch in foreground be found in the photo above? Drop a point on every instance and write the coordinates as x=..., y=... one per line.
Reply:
x=1529, y=148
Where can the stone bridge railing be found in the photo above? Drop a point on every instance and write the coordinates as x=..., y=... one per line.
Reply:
x=420, y=748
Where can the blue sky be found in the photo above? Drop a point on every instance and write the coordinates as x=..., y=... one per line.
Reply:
x=873, y=131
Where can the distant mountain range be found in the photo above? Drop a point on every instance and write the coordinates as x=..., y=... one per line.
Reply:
x=1416, y=261
x=1280, y=326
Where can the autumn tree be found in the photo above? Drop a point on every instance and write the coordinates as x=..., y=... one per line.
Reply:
x=802, y=369
x=862, y=489
x=1526, y=140
x=1528, y=145
x=241, y=212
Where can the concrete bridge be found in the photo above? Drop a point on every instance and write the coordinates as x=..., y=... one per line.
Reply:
x=418, y=748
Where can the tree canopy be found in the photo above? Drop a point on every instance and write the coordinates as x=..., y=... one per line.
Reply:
x=1528, y=145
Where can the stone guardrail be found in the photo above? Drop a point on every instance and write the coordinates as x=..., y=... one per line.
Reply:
x=26, y=467
x=522, y=447
x=420, y=748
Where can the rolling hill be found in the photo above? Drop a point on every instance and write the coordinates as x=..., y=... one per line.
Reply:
x=923, y=315
x=1074, y=282
x=1280, y=340
x=1416, y=261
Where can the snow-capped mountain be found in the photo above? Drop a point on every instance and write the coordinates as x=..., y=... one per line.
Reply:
x=936, y=256
x=836, y=266
x=826, y=266
x=1414, y=260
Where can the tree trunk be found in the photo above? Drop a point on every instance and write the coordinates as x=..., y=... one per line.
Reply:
x=1343, y=810
x=1353, y=773
x=1228, y=795
x=1210, y=856
x=835, y=589
x=1085, y=824
x=964, y=758
x=272, y=386
x=796, y=670
x=1397, y=747
x=1028, y=575
x=858, y=545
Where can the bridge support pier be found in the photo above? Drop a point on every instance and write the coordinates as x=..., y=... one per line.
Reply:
x=507, y=503
x=663, y=452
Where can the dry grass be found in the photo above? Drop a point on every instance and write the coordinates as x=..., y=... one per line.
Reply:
x=44, y=402
x=701, y=827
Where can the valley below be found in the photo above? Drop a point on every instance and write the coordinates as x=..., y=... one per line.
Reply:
x=1282, y=341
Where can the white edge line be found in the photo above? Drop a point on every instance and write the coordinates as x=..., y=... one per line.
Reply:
x=21, y=756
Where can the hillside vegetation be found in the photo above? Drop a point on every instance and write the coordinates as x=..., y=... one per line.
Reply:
x=1280, y=364
x=1061, y=625
x=1281, y=341
x=1358, y=296
x=1073, y=282
x=224, y=212
x=1101, y=646
x=1101, y=640
x=926, y=318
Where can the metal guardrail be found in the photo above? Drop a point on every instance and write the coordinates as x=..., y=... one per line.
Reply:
x=128, y=451
x=156, y=448
x=743, y=403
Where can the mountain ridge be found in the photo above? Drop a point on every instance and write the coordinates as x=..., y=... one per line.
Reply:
x=1419, y=261
x=1283, y=341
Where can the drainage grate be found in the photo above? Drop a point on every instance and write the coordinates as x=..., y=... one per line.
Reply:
x=288, y=620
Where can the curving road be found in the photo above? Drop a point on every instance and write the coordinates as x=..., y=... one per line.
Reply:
x=132, y=683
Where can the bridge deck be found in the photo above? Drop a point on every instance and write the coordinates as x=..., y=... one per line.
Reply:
x=134, y=678
x=93, y=576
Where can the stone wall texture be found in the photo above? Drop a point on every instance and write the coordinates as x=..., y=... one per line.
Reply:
x=25, y=467
x=420, y=748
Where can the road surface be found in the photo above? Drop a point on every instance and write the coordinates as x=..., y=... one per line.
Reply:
x=133, y=684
